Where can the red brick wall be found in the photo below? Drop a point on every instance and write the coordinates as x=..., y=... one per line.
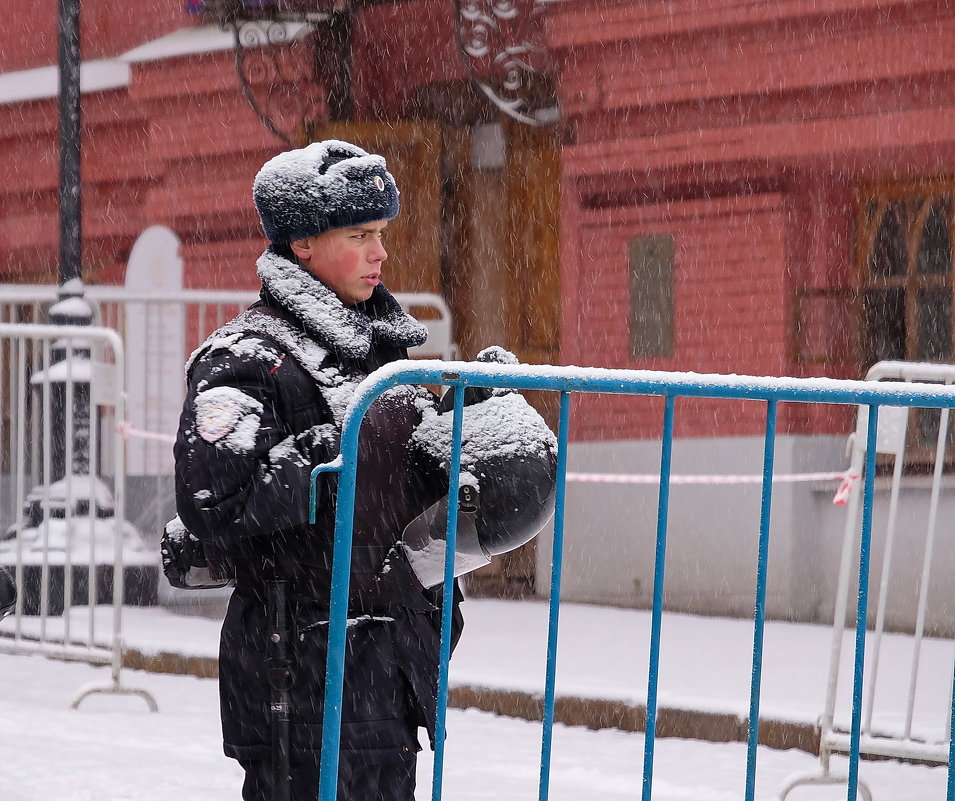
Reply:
x=676, y=109
x=204, y=147
x=723, y=89
x=180, y=147
x=731, y=314
x=107, y=28
x=686, y=50
x=397, y=49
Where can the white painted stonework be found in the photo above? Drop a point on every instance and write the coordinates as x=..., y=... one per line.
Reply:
x=154, y=394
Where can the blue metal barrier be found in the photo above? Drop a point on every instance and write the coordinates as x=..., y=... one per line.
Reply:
x=566, y=380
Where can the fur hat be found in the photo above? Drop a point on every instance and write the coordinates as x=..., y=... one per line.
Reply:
x=326, y=185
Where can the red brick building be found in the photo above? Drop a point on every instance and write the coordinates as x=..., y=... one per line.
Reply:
x=799, y=153
x=729, y=187
x=169, y=138
x=746, y=188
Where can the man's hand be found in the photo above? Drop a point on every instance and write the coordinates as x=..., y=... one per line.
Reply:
x=494, y=354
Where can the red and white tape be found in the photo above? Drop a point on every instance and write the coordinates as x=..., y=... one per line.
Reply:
x=126, y=431
x=845, y=478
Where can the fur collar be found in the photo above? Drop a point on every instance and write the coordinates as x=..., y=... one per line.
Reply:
x=347, y=330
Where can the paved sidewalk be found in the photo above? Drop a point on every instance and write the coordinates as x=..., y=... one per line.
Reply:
x=705, y=669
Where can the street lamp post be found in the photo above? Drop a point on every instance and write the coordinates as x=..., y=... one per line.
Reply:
x=71, y=308
x=68, y=16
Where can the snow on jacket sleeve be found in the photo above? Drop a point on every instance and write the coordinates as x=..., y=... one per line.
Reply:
x=251, y=430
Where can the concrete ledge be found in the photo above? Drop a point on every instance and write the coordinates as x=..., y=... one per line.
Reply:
x=203, y=667
x=596, y=713
x=593, y=713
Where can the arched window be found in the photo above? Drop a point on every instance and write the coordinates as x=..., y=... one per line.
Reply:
x=906, y=279
x=904, y=260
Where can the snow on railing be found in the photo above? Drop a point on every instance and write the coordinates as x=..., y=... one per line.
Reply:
x=870, y=395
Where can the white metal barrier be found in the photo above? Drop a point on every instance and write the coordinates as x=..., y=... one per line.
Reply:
x=160, y=329
x=212, y=308
x=884, y=735
x=64, y=536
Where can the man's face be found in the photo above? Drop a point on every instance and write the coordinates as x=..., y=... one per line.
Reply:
x=348, y=260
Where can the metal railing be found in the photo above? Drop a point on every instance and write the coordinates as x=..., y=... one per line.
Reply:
x=875, y=737
x=159, y=330
x=565, y=381
x=206, y=309
x=65, y=538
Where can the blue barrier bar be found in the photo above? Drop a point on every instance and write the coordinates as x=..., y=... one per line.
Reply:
x=659, y=569
x=950, y=786
x=863, y=606
x=651, y=382
x=447, y=597
x=346, y=465
x=337, y=622
x=563, y=429
x=759, y=615
x=596, y=380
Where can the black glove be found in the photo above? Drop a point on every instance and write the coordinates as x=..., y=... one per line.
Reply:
x=495, y=354
x=185, y=563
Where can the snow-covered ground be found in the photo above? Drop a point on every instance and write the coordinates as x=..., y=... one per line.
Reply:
x=705, y=663
x=113, y=748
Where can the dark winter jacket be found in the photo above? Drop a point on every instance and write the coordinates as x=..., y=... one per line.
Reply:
x=265, y=403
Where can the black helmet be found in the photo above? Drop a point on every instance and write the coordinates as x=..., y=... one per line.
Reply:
x=510, y=503
x=515, y=499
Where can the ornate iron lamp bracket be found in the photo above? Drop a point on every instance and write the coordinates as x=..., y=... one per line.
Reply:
x=278, y=82
x=501, y=43
x=275, y=62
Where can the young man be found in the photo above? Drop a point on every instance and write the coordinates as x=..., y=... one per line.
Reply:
x=265, y=403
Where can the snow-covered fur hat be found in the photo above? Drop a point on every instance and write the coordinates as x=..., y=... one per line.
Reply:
x=327, y=185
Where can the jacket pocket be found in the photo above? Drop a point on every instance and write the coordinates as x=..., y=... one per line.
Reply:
x=376, y=700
